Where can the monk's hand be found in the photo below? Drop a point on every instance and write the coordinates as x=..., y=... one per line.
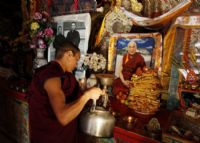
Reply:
x=126, y=83
x=94, y=93
x=145, y=69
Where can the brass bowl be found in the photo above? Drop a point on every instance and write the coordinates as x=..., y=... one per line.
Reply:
x=129, y=119
x=129, y=122
x=105, y=79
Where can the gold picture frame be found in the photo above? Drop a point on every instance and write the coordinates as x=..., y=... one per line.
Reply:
x=155, y=49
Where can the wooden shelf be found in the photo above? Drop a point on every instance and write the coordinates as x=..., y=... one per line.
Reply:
x=180, y=90
x=189, y=90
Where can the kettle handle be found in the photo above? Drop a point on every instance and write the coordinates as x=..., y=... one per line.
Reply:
x=93, y=105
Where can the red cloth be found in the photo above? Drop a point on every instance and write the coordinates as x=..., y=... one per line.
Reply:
x=130, y=65
x=76, y=4
x=44, y=126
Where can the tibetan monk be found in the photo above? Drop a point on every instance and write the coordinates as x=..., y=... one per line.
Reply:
x=132, y=63
x=55, y=99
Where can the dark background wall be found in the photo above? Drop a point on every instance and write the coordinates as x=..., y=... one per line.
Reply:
x=10, y=18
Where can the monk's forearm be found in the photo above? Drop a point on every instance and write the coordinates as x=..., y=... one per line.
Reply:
x=121, y=77
x=72, y=110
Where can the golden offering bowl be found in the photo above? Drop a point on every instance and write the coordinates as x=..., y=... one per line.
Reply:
x=105, y=79
x=129, y=119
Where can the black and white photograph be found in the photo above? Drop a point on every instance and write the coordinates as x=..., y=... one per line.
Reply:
x=76, y=28
x=73, y=34
x=59, y=29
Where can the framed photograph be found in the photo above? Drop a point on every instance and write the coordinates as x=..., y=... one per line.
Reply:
x=148, y=44
x=76, y=28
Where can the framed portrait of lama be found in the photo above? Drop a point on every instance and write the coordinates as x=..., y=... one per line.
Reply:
x=149, y=45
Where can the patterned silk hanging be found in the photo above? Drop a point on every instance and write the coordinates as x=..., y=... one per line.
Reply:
x=75, y=4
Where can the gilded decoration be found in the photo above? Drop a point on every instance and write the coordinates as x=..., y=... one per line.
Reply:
x=130, y=5
x=187, y=23
x=121, y=17
x=115, y=21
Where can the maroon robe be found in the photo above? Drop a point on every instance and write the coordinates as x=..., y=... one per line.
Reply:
x=130, y=64
x=44, y=126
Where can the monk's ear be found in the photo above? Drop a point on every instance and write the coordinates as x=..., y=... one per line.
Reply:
x=69, y=53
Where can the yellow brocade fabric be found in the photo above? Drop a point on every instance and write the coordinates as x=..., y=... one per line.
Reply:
x=184, y=22
x=100, y=33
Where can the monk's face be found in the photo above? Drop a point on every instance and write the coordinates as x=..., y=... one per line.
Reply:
x=71, y=61
x=132, y=47
x=73, y=26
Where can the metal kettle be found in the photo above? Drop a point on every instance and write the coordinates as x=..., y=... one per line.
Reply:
x=97, y=122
